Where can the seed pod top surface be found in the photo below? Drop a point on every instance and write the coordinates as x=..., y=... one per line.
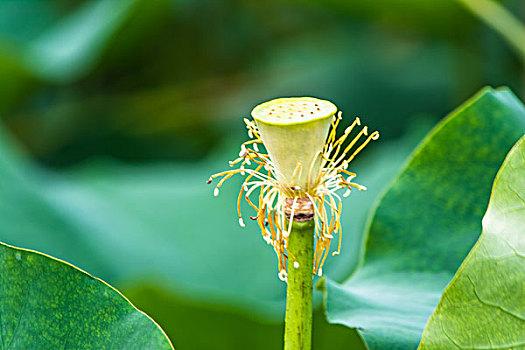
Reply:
x=293, y=110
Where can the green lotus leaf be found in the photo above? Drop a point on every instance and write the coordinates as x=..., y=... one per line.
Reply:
x=427, y=222
x=484, y=305
x=46, y=303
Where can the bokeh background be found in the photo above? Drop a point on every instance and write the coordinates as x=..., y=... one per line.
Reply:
x=114, y=113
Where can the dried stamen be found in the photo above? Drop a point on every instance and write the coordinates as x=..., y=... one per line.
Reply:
x=277, y=205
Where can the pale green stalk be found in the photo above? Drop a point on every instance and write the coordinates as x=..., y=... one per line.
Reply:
x=298, y=322
x=501, y=20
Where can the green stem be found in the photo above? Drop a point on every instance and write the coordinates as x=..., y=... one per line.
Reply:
x=501, y=20
x=298, y=323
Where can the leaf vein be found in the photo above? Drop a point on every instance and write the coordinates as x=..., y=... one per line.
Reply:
x=516, y=193
x=22, y=312
x=2, y=342
x=514, y=250
x=450, y=338
x=492, y=305
x=66, y=339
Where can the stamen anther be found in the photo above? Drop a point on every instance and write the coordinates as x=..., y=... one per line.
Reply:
x=282, y=275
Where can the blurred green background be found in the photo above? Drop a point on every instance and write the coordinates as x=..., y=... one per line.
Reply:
x=114, y=113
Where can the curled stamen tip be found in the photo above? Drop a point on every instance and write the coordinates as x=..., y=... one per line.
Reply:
x=241, y=222
x=335, y=253
x=282, y=275
x=358, y=121
x=295, y=264
x=365, y=130
x=375, y=135
x=253, y=217
x=347, y=193
x=216, y=192
x=361, y=188
x=209, y=180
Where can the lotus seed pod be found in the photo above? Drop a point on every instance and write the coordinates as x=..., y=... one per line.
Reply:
x=294, y=131
x=299, y=175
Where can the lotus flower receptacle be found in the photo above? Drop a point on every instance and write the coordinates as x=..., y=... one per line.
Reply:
x=294, y=132
x=300, y=177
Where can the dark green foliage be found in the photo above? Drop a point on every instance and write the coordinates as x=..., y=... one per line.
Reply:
x=132, y=104
x=426, y=223
x=483, y=306
x=48, y=304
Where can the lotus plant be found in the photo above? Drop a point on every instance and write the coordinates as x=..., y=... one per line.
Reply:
x=293, y=188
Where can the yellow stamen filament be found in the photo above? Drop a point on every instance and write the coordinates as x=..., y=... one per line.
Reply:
x=298, y=169
x=373, y=136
